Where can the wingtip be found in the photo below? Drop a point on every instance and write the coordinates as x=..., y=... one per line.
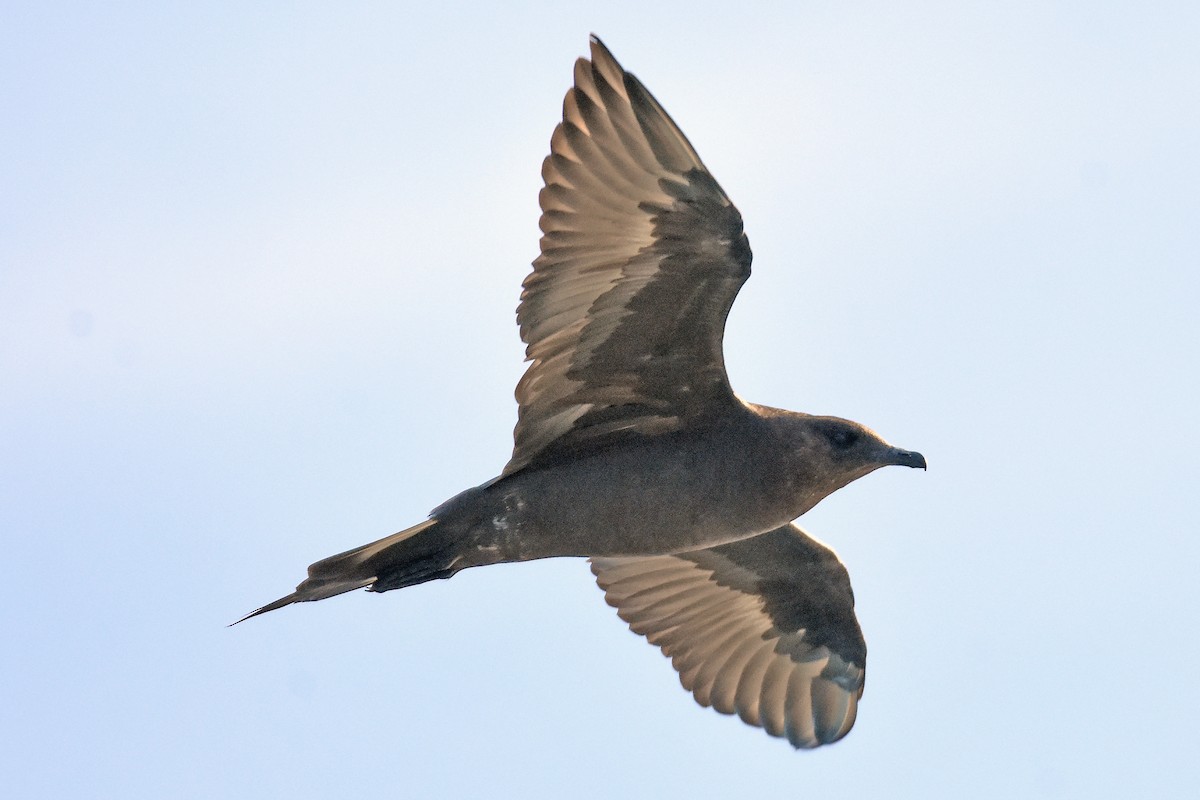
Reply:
x=598, y=47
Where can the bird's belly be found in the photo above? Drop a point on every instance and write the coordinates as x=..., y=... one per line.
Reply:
x=631, y=504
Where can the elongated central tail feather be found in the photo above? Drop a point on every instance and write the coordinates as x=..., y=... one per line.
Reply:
x=402, y=559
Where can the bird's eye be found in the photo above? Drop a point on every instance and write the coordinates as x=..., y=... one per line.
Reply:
x=843, y=438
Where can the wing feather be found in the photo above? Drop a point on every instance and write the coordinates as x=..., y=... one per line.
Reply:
x=763, y=628
x=642, y=255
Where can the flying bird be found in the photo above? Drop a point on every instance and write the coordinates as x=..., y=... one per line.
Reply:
x=632, y=450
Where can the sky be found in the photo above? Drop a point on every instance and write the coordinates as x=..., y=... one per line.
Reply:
x=258, y=267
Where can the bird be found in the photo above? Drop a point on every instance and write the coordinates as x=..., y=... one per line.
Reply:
x=632, y=450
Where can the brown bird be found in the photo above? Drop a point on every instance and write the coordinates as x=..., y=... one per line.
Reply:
x=631, y=449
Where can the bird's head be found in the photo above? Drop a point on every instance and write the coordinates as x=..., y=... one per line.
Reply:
x=830, y=452
x=856, y=447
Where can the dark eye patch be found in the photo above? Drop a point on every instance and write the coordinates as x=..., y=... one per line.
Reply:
x=843, y=437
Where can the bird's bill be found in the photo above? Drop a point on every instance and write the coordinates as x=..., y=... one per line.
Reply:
x=907, y=458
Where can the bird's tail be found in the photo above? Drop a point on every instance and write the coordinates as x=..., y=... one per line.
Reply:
x=412, y=556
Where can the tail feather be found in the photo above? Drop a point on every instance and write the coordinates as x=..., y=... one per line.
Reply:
x=354, y=569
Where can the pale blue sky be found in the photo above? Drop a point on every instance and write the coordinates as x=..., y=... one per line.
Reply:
x=258, y=264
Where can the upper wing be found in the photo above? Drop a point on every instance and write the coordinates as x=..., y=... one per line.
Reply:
x=642, y=256
x=764, y=627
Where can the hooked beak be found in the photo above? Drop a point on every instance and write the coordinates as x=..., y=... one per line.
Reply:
x=907, y=458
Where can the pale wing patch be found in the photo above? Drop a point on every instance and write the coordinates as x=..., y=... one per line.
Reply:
x=710, y=618
x=622, y=321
